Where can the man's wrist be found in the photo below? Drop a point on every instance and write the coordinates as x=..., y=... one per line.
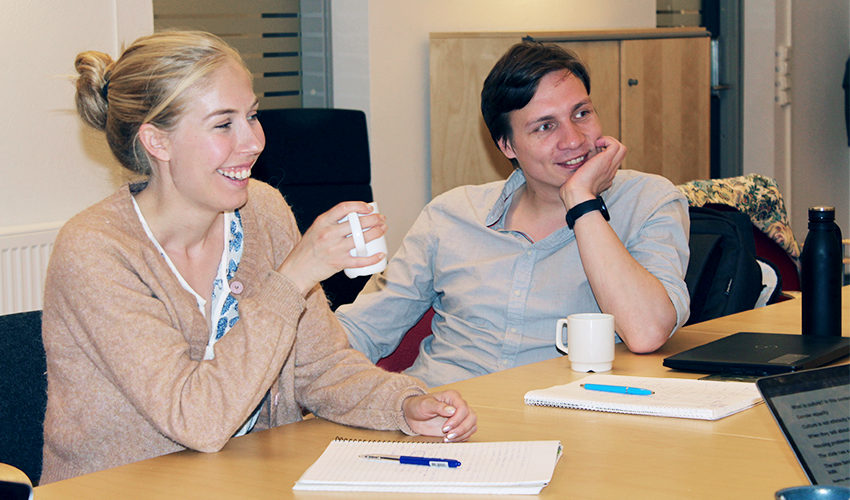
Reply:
x=571, y=200
x=585, y=207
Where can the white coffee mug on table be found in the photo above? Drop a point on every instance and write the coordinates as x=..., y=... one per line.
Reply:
x=590, y=341
x=362, y=248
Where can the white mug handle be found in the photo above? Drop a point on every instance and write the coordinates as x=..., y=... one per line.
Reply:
x=559, y=335
x=357, y=234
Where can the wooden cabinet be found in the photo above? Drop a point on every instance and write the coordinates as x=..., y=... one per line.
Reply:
x=651, y=89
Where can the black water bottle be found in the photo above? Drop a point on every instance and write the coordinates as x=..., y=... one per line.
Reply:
x=821, y=279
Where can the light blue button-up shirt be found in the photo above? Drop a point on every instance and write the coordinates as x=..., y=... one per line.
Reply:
x=497, y=295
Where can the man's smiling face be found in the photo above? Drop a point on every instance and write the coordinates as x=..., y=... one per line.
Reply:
x=555, y=133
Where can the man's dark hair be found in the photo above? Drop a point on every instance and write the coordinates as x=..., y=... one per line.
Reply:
x=514, y=79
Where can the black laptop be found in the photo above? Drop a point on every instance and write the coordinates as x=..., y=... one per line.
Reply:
x=751, y=353
x=812, y=408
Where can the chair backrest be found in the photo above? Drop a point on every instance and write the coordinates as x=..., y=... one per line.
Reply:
x=318, y=157
x=723, y=275
x=23, y=392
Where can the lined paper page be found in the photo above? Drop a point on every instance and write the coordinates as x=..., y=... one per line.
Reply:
x=484, y=466
x=674, y=397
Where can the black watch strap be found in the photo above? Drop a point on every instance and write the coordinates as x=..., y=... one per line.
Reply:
x=584, y=207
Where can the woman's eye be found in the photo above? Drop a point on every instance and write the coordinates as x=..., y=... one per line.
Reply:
x=223, y=125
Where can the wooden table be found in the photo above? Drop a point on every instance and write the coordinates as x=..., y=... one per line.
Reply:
x=606, y=456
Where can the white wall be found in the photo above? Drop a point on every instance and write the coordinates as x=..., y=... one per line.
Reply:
x=820, y=156
x=391, y=84
x=52, y=167
x=803, y=145
x=759, y=157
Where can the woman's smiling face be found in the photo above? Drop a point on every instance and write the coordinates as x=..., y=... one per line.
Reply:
x=216, y=142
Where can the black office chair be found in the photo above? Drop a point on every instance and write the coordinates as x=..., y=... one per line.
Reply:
x=318, y=157
x=23, y=392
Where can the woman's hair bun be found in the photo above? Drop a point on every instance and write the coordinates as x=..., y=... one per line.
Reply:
x=91, y=99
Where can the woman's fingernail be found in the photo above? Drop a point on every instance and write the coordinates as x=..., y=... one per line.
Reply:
x=451, y=437
x=451, y=410
x=447, y=429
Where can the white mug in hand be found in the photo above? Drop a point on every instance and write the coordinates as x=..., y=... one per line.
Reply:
x=590, y=341
x=363, y=248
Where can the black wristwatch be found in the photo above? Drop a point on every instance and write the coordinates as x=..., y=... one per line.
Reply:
x=584, y=207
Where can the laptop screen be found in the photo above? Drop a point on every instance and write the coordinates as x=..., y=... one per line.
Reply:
x=812, y=408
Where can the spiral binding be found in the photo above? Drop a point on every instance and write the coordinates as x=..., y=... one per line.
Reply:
x=349, y=440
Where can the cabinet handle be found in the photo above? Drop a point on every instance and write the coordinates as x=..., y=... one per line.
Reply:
x=632, y=82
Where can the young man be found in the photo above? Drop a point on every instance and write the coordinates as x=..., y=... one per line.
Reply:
x=567, y=232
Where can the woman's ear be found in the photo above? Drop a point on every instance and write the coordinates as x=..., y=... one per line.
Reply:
x=155, y=142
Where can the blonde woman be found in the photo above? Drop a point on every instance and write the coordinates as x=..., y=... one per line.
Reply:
x=185, y=309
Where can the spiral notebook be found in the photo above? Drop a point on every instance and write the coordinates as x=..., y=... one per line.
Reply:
x=510, y=468
x=672, y=397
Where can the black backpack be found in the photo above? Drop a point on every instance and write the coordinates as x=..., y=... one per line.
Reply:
x=723, y=276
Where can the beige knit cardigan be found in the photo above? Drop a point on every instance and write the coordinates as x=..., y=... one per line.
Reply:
x=125, y=345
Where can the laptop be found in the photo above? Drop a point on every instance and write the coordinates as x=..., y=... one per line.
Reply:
x=812, y=408
x=760, y=354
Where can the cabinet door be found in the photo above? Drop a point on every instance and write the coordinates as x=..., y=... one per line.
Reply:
x=665, y=114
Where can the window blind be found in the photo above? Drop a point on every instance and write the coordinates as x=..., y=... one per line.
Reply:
x=677, y=13
x=265, y=32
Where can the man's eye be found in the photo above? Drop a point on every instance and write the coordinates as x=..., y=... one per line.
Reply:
x=583, y=113
x=545, y=127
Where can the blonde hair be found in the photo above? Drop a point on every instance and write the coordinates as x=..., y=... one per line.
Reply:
x=152, y=82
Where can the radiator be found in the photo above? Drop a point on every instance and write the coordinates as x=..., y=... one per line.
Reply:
x=24, y=252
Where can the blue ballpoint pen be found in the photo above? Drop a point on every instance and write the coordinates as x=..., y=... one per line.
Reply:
x=403, y=459
x=620, y=389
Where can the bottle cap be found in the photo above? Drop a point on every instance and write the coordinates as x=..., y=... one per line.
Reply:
x=822, y=213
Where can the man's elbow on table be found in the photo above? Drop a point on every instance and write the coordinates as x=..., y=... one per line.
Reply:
x=647, y=338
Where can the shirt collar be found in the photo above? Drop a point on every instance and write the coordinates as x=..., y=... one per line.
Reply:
x=501, y=203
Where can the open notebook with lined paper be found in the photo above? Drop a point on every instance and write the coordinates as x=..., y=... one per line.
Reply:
x=513, y=467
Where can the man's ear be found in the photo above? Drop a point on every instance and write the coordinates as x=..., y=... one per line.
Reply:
x=155, y=142
x=507, y=149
